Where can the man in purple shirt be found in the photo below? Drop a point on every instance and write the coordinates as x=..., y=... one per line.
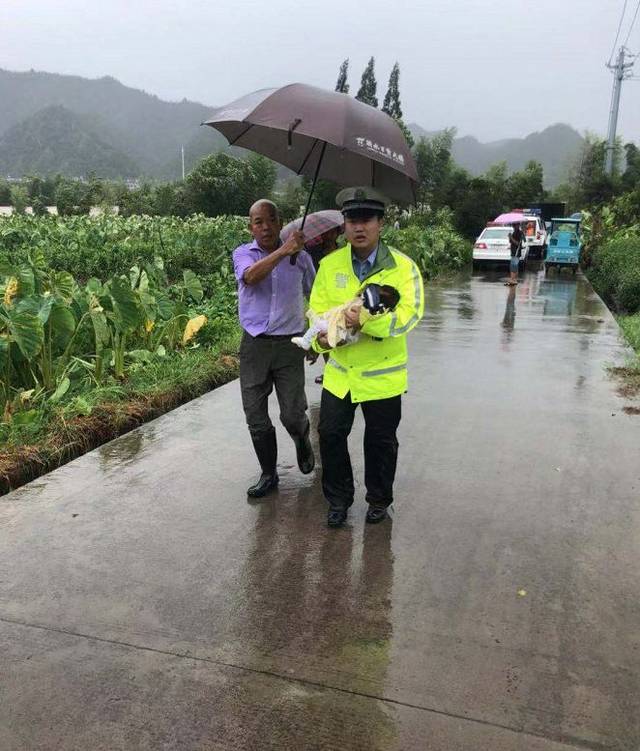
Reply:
x=271, y=292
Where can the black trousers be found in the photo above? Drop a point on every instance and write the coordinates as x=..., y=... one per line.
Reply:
x=382, y=418
x=269, y=362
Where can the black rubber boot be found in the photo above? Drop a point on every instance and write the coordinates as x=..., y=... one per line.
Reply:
x=336, y=517
x=375, y=515
x=304, y=453
x=267, y=452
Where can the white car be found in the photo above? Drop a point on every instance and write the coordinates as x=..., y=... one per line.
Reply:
x=535, y=236
x=493, y=245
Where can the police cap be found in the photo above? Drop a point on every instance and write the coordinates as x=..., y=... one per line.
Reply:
x=361, y=199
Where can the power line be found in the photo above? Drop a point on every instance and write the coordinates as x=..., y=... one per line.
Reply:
x=613, y=49
x=635, y=15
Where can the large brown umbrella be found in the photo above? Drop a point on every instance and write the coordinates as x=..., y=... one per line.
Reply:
x=323, y=134
x=311, y=130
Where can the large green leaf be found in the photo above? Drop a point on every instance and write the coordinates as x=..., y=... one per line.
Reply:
x=44, y=309
x=94, y=285
x=134, y=276
x=37, y=260
x=192, y=285
x=62, y=322
x=39, y=305
x=62, y=389
x=125, y=303
x=26, y=331
x=62, y=285
x=100, y=328
x=165, y=304
x=38, y=264
x=26, y=281
x=138, y=278
x=144, y=281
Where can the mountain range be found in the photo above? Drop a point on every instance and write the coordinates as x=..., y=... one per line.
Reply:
x=53, y=123
x=556, y=147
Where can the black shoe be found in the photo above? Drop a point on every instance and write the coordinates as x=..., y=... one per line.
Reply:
x=336, y=517
x=376, y=515
x=265, y=484
x=304, y=454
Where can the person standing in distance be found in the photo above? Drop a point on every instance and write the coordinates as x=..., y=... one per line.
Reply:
x=271, y=294
x=371, y=372
x=516, y=239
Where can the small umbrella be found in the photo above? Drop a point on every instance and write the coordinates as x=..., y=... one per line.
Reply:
x=316, y=224
x=512, y=217
x=322, y=134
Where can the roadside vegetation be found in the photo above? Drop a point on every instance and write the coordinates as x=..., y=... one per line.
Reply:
x=84, y=356
x=612, y=263
x=107, y=322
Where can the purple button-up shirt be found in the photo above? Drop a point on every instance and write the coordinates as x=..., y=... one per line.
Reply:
x=276, y=304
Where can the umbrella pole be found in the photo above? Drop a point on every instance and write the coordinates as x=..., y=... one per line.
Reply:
x=293, y=258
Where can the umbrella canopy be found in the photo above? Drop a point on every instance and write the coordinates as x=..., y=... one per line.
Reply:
x=315, y=225
x=323, y=134
x=510, y=218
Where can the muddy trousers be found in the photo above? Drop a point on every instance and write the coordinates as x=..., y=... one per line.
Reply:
x=265, y=362
x=381, y=418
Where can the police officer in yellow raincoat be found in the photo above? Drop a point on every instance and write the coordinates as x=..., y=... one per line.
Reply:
x=372, y=371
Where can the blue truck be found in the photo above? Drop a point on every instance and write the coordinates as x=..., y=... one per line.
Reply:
x=565, y=245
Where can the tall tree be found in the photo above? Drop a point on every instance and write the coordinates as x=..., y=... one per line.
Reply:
x=392, y=105
x=19, y=199
x=526, y=186
x=498, y=179
x=368, y=85
x=631, y=176
x=341, y=84
x=392, y=98
x=5, y=193
x=434, y=164
x=587, y=181
x=221, y=184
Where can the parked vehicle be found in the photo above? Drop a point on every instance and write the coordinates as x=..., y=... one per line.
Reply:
x=533, y=229
x=493, y=244
x=546, y=210
x=565, y=245
x=535, y=235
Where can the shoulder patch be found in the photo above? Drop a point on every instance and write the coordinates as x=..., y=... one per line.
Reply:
x=341, y=280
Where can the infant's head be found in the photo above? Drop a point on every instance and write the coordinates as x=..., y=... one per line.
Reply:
x=379, y=298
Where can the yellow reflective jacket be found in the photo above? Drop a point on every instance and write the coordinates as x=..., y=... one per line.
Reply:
x=375, y=367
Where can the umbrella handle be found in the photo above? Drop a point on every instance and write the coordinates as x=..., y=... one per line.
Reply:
x=292, y=259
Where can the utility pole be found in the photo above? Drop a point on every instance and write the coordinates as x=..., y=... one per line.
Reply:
x=182, y=149
x=621, y=70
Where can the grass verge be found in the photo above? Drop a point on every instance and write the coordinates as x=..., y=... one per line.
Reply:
x=629, y=374
x=61, y=434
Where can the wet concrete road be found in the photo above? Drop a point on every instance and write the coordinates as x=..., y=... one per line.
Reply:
x=144, y=604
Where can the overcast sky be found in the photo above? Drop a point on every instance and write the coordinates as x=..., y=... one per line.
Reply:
x=491, y=68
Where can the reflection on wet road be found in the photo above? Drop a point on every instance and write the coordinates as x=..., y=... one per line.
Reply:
x=145, y=604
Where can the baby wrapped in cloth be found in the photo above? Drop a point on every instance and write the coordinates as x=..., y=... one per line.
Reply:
x=372, y=300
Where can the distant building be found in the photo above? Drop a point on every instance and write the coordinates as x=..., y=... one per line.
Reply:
x=94, y=211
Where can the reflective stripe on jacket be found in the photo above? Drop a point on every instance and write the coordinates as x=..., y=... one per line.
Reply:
x=375, y=367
